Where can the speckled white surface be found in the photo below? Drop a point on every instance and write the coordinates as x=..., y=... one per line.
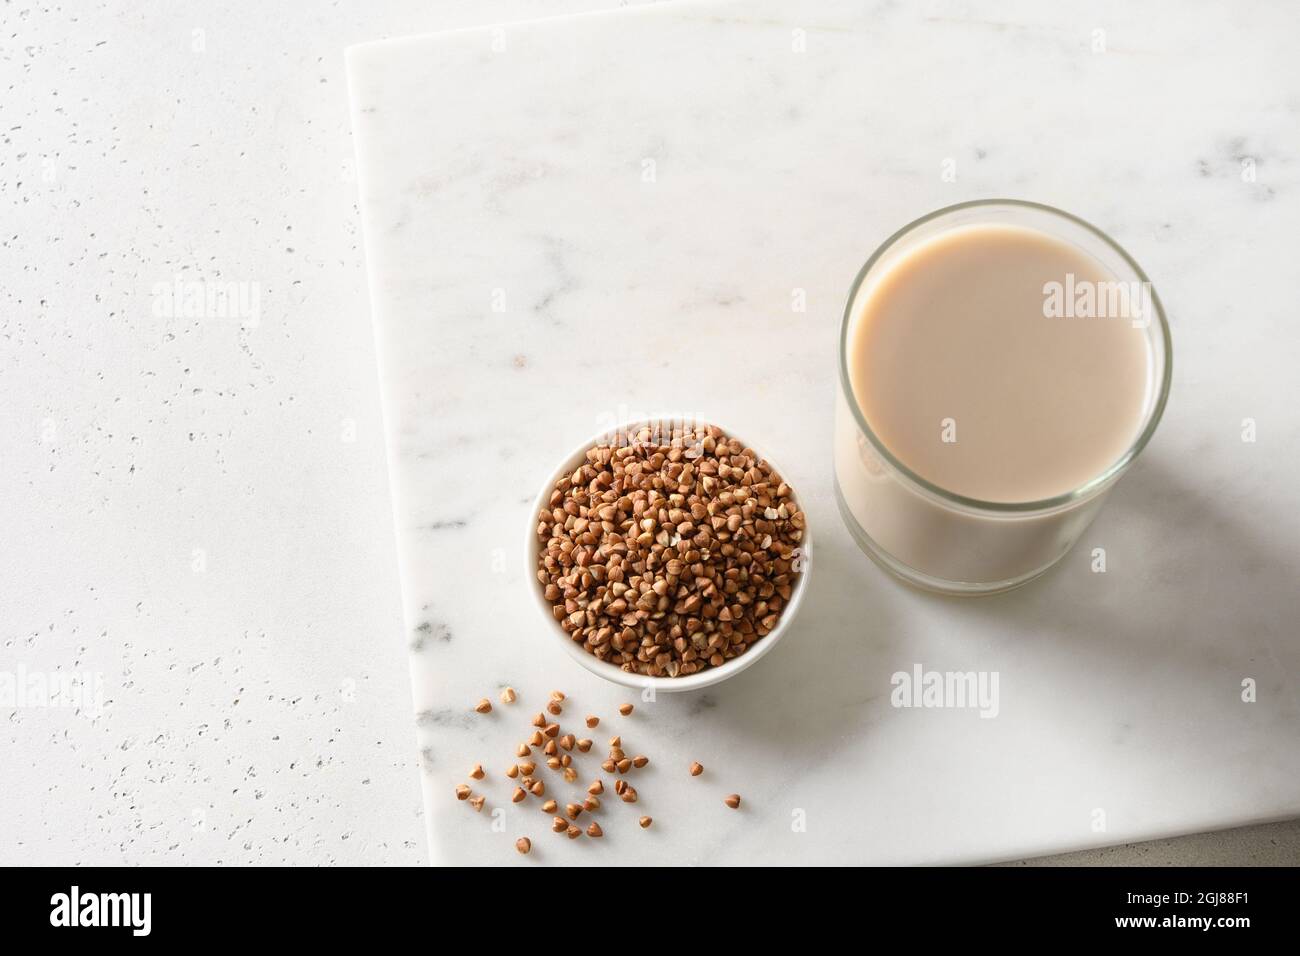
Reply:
x=258, y=709
x=531, y=281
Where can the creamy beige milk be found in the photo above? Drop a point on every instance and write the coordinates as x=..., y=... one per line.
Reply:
x=965, y=380
x=963, y=377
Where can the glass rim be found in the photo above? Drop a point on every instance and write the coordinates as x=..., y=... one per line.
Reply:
x=1094, y=484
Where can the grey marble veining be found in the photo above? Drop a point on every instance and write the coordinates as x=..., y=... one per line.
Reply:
x=575, y=221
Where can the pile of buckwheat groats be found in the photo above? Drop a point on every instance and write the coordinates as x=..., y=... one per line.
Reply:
x=669, y=550
x=558, y=748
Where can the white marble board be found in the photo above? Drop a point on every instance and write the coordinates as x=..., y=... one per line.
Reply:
x=576, y=220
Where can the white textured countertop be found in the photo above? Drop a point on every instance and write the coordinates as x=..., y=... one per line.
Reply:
x=196, y=510
x=199, y=506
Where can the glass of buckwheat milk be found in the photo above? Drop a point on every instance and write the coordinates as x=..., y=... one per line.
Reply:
x=1001, y=364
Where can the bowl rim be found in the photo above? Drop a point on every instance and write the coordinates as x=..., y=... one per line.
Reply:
x=612, y=672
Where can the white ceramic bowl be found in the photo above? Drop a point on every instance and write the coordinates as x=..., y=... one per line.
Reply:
x=612, y=672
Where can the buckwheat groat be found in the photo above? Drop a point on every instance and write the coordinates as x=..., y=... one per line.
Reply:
x=671, y=551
